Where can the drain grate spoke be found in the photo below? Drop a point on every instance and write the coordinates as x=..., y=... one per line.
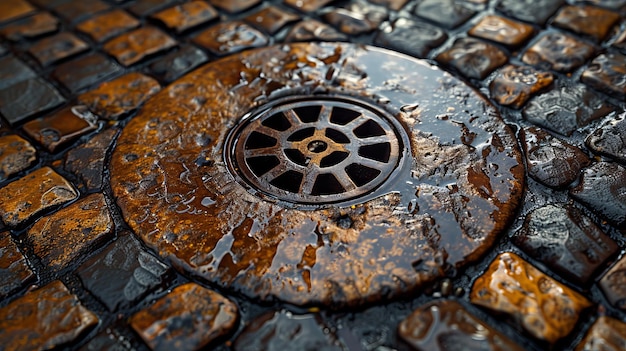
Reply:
x=316, y=150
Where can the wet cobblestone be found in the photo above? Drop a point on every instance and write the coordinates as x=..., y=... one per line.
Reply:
x=545, y=308
x=16, y=155
x=230, y=37
x=137, y=45
x=76, y=75
x=514, y=85
x=502, y=30
x=31, y=27
x=284, y=330
x=108, y=25
x=610, y=139
x=550, y=160
x=186, y=16
x=310, y=30
x=28, y=97
x=447, y=13
x=76, y=10
x=606, y=73
x=61, y=128
x=118, y=97
x=535, y=11
x=87, y=161
x=49, y=317
x=602, y=189
x=36, y=192
x=14, y=270
x=136, y=273
x=57, y=47
x=473, y=58
x=271, y=19
x=190, y=317
x=445, y=325
x=566, y=109
x=613, y=284
x=82, y=226
x=589, y=21
x=411, y=37
x=558, y=51
x=566, y=241
x=12, y=9
x=606, y=333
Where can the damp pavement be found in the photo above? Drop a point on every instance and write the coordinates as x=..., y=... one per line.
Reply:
x=366, y=175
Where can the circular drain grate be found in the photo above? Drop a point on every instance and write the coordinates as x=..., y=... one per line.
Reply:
x=315, y=150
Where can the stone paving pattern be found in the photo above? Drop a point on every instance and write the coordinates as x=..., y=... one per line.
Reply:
x=74, y=73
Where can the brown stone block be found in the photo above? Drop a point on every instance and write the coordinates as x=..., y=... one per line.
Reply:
x=502, y=30
x=545, y=308
x=32, y=194
x=230, y=37
x=16, y=155
x=186, y=16
x=559, y=52
x=87, y=160
x=14, y=271
x=61, y=127
x=133, y=47
x=441, y=325
x=114, y=99
x=606, y=334
x=57, y=47
x=306, y=6
x=44, y=319
x=76, y=10
x=514, y=85
x=12, y=9
x=189, y=318
x=589, y=21
x=65, y=235
x=30, y=27
x=473, y=58
x=613, y=284
x=108, y=25
x=271, y=19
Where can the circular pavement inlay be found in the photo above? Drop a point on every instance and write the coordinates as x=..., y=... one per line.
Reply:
x=220, y=172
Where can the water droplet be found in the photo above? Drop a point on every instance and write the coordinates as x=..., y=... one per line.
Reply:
x=207, y=201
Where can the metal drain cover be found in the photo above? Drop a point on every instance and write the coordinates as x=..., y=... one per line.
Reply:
x=317, y=174
x=315, y=151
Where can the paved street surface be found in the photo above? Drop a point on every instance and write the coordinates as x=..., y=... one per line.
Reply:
x=364, y=175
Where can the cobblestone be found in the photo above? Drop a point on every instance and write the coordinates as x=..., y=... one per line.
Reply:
x=558, y=51
x=116, y=98
x=564, y=110
x=76, y=10
x=16, y=155
x=137, y=45
x=606, y=73
x=550, y=160
x=602, y=189
x=108, y=25
x=284, y=330
x=31, y=27
x=606, y=334
x=545, y=308
x=88, y=160
x=79, y=74
x=68, y=233
x=49, y=317
x=411, y=37
x=14, y=270
x=190, y=317
x=57, y=47
x=613, y=284
x=26, y=98
x=230, y=37
x=173, y=65
x=312, y=30
x=13, y=9
x=565, y=240
x=514, y=85
x=186, y=16
x=356, y=19
x=473, y=58
x=32, y=194
x=61, y=128
x=445, y=324
x=610, y=139
x=535, y=11
x=502, y=30
x=271, y=19
x=447, y=13
x=588, y=21
x=123, y=273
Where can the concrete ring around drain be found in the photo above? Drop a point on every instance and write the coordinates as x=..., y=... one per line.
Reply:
x=459, y=188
